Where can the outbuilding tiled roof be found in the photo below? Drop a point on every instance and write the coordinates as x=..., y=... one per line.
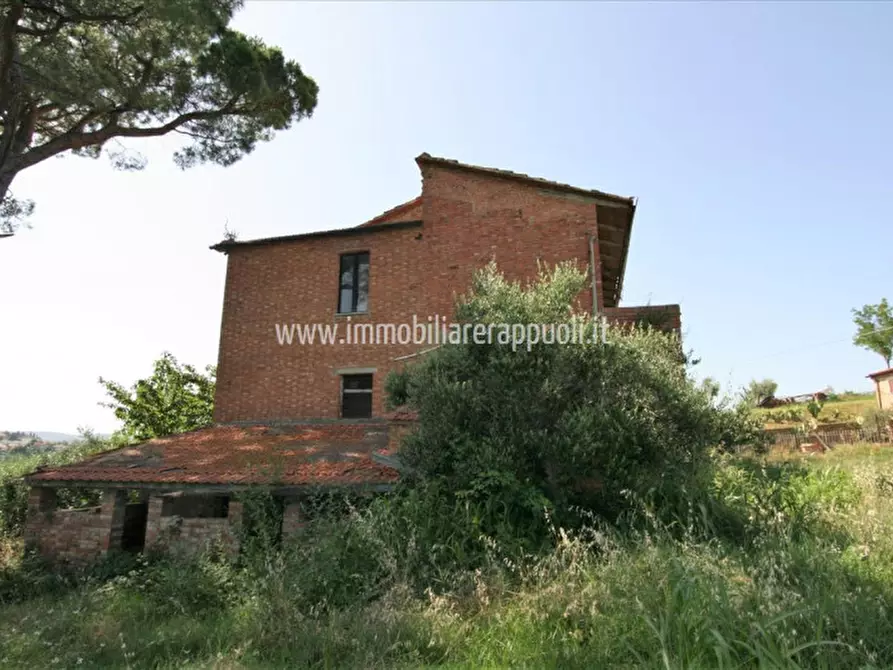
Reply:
x=300, y=454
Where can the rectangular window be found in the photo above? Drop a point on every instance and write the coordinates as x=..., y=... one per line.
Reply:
x=196, y=507
x=353, y=286
x=356, y=396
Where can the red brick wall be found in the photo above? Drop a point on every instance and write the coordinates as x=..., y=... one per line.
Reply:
x=76, y=537
x=293, y=520
x=469, y=219
x=192, y=535
x=665, y=317
x=297, y=282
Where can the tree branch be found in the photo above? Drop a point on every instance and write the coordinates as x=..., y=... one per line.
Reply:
x=70, y=140
x=74, y=16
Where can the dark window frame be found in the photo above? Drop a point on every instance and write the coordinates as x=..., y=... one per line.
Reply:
x=356, y=392
x=358, y=257
x=196, y=506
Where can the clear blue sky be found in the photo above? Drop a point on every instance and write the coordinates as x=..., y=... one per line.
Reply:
x=756, y=136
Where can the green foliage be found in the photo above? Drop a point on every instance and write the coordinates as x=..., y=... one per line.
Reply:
x=175, y=399
x=78, y=76
x=776, y=565
x=875, y=418
x=814, y=408
x=14, y=491
x=846, y=407
x=558, y=425
x=711, y=387
x=874, y=329
x=261, y=525
x=757, y=391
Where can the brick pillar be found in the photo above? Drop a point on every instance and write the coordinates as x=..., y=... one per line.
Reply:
x=153, y=521
x=292, y=520
x=234, y=523
x=42, y=503
x=235, y=515
x=112, y=516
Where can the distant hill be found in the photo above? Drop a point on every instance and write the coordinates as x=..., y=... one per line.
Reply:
x=35, y=439
x=50, y=436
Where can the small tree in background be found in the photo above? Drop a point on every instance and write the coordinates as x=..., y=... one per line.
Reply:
x=175, y=399
x=874, y=324
x=758, y=391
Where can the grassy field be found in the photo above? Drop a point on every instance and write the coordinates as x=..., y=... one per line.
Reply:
x=846, y=407
x=783, y=562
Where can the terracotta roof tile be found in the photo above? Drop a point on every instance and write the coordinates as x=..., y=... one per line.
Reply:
x=285, y=454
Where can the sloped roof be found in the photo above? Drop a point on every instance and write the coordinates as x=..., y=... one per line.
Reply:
x=881, y=373
x=396, y=214
x=520, y=176
x=364, y=229
x=299, y=454
x=615, y=219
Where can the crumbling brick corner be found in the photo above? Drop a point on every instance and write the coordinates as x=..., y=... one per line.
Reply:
x=75, y=537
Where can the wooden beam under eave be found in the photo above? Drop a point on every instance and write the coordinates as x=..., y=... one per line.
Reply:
x=604, y=225
x=213, y=489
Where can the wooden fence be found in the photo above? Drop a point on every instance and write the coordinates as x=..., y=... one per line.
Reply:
x=830, y=434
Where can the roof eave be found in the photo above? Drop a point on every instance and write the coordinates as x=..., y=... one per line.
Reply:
x=625, y=254
x=425, y=157
x=226, y=245
x=210, y=487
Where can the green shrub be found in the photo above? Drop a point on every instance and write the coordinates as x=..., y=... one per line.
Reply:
x=876, y=419
x=14, y=490
x=559, y=426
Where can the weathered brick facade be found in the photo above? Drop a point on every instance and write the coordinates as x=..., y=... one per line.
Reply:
x=468, y=216
x=422, y=255
x=75, y=537
x=180, y=534
x=78, y=537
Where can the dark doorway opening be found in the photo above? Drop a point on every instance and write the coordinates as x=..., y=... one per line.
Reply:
x=133, y=536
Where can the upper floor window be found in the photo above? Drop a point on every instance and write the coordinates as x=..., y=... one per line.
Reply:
x=353, y=289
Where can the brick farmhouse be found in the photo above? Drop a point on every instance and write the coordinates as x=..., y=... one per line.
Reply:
x=294, y=418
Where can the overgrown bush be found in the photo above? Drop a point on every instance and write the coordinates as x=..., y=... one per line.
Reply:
x=557, y=425
x=14, y=490
x=877, y=419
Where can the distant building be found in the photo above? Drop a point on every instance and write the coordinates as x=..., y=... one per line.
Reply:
x=883, y=387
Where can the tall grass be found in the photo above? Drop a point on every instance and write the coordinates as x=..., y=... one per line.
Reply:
x=776, y=564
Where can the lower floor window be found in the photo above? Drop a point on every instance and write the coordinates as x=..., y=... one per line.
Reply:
x=196, y=507
x=356, y=396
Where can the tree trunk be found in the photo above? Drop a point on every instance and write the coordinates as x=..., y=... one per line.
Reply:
x=5, y=182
